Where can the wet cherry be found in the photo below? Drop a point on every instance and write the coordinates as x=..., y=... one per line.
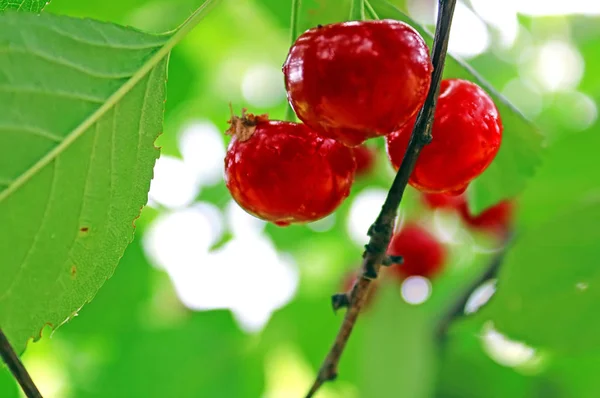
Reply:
x=467, y=132
x=365, y=159
x=356, y=80
x=285, y=172
x=423, y=254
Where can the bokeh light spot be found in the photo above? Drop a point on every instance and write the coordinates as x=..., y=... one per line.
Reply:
x=480, y=296
x=262, y=86
x=416, y=290
x=174, y=185
x=364, y=210
x=203, y=149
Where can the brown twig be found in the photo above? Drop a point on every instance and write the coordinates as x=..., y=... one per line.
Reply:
x=457, y=309
x=16, y=367
x=381, y=231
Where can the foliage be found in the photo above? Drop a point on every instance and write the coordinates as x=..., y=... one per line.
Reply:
x=85, y=106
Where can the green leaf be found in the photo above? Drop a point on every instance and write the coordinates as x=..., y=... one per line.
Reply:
x=397, y=346
x=76, y=157
x=569, y=174
x=23, y=5
x=549, y=286
x=147, y=334
x=463, y=357
x=521, y=148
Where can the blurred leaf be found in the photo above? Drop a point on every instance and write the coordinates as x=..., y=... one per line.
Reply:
x=569, y=174
x=206, y=356
x=312, y=325
x=397, y=349
x=8, y=385
x=521, y=148
x=463, y=357
x=23, y=5
x=312, y=12
x=549, y=285
x=133, y=341
x=76, y=158
x=576, y=376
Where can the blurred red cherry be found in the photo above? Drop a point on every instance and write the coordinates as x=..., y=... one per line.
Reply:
x=496, y=219
x=423, y=254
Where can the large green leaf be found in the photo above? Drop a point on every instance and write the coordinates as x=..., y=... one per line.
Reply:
x=23, y=5
x=549, y=286
x=76, y=158
x=521, y=147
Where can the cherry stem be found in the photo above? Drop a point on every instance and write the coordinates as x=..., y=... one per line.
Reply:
x=381, y=231
x=357, y=10
x=15, y=365
x=290, y=115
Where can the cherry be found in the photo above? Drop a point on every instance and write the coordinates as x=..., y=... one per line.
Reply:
x=467, y=132
x=360, y=79
x=365, y=159
x=496, y=219
x=285, y=172
x=423, y=254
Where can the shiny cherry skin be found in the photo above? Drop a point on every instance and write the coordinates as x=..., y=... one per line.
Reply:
x=360, y=79
x=285, y=172
x=423, y=254
x=467, y=133
x=495, y=220
x=365, y=159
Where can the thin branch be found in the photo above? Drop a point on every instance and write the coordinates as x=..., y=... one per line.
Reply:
x=16, y=367
x=381, y=231
x=456, y=311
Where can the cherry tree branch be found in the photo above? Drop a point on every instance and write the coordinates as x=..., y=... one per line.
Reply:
x=16, y=367
x=457, y=309
x=381, y=231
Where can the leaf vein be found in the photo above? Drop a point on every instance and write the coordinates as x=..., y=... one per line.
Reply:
x=59, y=94
x=41, y=224
x=32, y=130
x=63, y=62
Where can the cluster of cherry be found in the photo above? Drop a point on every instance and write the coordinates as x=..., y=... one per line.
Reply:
x=349, y=82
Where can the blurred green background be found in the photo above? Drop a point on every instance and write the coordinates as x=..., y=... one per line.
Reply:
x=209, y=302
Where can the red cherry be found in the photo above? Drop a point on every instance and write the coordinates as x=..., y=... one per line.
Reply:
x=467, y=132
x=496, y=219
x=423, y=254
x=365, y=159
x=443, y=201
x=285, y=172
x=360, y=79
